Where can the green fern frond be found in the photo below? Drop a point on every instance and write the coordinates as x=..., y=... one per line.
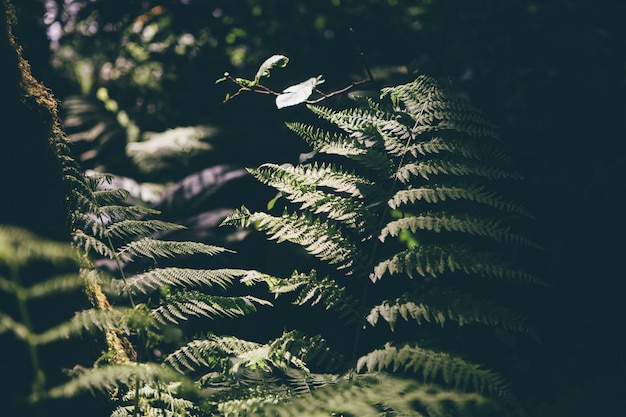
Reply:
x=88, y=243
x=19, y=330
x=425, y=169
x=433, y=261
x=182, y=305
x=126, y=229
x=311, y=176
x=91, y=320
x=438, y=193
x=156, y=399
x=19, y=247
x=154, y=248
x=54, y=285
x=110, y=377
x=377, y=395
x=116, y=213
x=343, y=145
x=436, y=367
x=321, y=239
x=180, y=277
x=438, y=222
x=209, y=352
x=349, y=211
x=111, y=196
x=314, y=290
x=439, y=305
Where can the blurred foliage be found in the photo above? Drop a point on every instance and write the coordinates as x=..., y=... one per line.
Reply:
x=551, y=73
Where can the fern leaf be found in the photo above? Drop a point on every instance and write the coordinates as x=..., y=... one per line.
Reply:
x=433, y=261
x=91, y=320
x=109, y=377
x=321, y=239
x=88, y=243
x=437, y=193
x=439, y=305
x=112, y=196
x=439, y=222
x=425, y=169
x=8, y=324
x=154, y=248
x=55, y=285
x=126, y=229
x=434, y=367
x=209, y=352
x=356, y=149
x=180, y=277
x=116, y=213
x=182, y=305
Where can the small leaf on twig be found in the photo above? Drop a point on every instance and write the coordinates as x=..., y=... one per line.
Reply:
x=298, y=93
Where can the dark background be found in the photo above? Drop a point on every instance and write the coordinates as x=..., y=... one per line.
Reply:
x=551, y=74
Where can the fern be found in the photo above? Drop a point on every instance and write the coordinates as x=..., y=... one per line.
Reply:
x=422, y=150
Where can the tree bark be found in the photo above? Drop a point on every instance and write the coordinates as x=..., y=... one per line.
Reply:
x=33, y=194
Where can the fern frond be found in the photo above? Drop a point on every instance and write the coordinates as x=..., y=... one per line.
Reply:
x=376, y=395
x=437, y=193
x=314, y=290
x=109, y=377
x=440, y=305
x=438, y=222
x=321, y=239
x=312, y=176
x=19, y=247
x=88, y=243
x=8, y=324
x=343, y=145
x=116, y=213
x=182, y=305
x=126, y=229
x=90, y=320
x=110, y=197
x=154, y=248
x=180, y=277
x=55, y=285
x=209, y=352
x=433, y=261
x=157, y=399
x=425, y=169
x=434, y=367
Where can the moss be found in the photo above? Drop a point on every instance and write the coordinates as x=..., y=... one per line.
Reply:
x=34, y=195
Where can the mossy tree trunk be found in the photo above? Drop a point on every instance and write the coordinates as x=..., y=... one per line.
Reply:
x=33, y=194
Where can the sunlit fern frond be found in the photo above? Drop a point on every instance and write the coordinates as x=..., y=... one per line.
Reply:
x=158, y=278
x=89, y=243
x=320, y=238
x=313, y=290
x=108, y=378
x=127, y=229
x=437, y=367
x=441, y=305
x=156, y=399
x=439, y=193
x=86, y=321
x=343, y=145
x=19, y=247
x=154, y=248
x=180, y=306
x=435, y=260
x=439, y=222
x=210, y=352
x=376, y=395
x=437, y=167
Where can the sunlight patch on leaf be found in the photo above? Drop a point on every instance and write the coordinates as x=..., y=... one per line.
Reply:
x=298, y=93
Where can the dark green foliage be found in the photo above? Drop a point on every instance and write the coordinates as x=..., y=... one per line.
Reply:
x=405, y=204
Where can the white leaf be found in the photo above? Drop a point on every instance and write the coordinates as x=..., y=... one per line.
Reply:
x=264, y=70
x=298, y=93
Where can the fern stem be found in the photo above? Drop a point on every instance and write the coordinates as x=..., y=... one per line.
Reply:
x=39, y=380
x=118, y=263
